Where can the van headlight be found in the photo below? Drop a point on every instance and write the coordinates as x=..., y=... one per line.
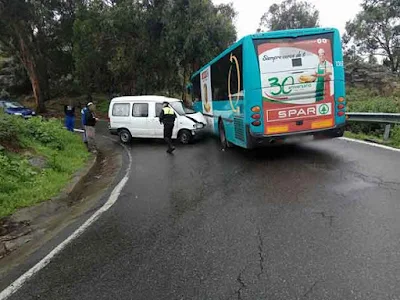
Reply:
x=198, y=125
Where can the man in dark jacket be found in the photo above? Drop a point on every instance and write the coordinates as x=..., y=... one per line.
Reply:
x=89, y=121
x=167, y=118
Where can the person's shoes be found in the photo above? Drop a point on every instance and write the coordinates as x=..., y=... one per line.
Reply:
x=172, y=149
x=169, y=151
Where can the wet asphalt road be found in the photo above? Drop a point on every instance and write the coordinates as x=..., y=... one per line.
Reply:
x=312, y=221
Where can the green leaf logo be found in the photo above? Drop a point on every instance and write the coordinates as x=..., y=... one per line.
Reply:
x=323, y=109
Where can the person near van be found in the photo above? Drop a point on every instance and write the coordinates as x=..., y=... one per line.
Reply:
x=83, y=121
x=167, y=118
x=69, y=111
x=89, y=121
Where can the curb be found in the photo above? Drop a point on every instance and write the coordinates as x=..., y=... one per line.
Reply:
x=370, y=144
x=17, y=238
x=54, y=204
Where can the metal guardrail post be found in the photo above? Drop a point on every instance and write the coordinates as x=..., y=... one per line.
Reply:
x=386, y=134
x=382, y=118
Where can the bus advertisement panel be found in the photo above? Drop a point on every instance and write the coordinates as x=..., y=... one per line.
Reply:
x=297, y=81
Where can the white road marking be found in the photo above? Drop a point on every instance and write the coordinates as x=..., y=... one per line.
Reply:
x=369, y=144
x=17, y=284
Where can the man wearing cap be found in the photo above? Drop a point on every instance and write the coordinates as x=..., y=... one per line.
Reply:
x=89, y=122
x=167, y=118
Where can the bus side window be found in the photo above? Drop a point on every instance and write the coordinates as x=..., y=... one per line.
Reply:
x=196, y=92
x=220, y=72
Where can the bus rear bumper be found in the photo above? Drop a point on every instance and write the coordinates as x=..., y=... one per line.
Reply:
x=261, y=140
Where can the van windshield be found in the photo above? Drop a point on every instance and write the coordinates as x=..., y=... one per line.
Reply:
x=181, y=109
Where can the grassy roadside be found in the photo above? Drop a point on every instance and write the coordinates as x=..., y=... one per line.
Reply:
x=37, y=159
x=366, y=100
x=393, y=141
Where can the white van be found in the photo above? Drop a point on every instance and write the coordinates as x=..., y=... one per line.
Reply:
x=138, y=117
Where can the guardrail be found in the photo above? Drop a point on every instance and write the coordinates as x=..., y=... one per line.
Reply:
x=383, y=118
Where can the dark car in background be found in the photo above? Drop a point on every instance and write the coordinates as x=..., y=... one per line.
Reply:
x=16, y=109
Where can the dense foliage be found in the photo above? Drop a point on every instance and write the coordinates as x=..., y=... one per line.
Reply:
x=22, y=183
x=290, y=14
x=375, y=32
x=124, y=46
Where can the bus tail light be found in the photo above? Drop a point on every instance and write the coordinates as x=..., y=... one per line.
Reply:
x=256, y=123
x=340, y=106
x=341, y=99
x=256, y=116
x=256, y=109
x=341, y=113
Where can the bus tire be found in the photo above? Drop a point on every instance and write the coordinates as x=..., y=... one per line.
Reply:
x=125, y=136
x=222, y=136
x=184, y=137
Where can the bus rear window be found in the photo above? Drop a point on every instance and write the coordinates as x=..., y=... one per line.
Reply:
x=300, y=52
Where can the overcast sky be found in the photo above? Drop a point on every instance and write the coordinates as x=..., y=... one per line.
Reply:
x=333, y=13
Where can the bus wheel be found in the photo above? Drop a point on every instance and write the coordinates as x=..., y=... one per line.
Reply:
x=185, y=137
x=222, y=136
x=125, y=136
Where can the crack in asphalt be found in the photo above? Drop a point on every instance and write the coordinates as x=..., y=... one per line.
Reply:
x=310, y=289
x=242, y=286
x=260, y=253
x=325, y=216
x=391, y=185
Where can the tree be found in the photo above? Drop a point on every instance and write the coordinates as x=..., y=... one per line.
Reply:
x=35, y=31
x=146, y=47
x=376, y=31
x=290, y=14
x=197, y=31
x=92, y=47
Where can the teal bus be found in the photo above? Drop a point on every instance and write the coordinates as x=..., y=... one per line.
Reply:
x=273, y=87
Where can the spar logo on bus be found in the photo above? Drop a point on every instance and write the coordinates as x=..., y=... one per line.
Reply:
x=299, y=112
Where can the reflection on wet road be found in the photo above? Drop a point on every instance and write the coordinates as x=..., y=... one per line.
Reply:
x=312, y=221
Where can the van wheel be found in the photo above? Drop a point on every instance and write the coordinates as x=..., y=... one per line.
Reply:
x=185, y=137
x=222, y=136
x=125, y=136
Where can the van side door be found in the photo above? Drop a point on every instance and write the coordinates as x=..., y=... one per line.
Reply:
x=140, y=126
x=158, y=128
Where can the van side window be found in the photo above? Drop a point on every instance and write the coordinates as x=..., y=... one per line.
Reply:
x=140, y=110
x=159, y=107
x=120, y=110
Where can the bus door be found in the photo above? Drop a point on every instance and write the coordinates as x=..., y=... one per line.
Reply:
x=297, y=78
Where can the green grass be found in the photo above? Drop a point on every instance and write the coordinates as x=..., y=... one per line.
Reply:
x=23, y=185
x=365, y=100
x=102, y=105
x=394, y=140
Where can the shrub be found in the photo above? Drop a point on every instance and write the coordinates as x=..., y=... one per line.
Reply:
x=8, y=129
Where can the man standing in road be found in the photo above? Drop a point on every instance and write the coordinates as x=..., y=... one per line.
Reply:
x=89, y=122
x=167, y=118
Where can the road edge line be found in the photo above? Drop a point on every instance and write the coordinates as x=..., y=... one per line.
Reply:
x=366, y=143
x=18, y=283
